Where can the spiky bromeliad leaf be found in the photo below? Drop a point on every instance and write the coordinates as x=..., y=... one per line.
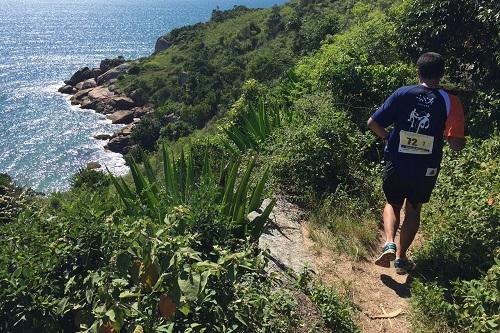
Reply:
x=240, y=197
x=257, y=192
x=229, y=187
x=257, y=228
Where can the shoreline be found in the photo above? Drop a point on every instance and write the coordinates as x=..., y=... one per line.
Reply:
x=94, y=89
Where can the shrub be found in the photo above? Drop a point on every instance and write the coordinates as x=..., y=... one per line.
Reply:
x=13, y=199
x=469, y=43
x=175, y=130
x=318, y=151
x=461, y=225
x=147, y=132
x=91, y=179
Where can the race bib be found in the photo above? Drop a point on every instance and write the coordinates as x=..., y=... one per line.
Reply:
x=415, y=143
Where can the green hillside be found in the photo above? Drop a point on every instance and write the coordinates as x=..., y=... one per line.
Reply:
x=269, y=102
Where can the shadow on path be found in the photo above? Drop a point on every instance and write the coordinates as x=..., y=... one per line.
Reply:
x=401, y=289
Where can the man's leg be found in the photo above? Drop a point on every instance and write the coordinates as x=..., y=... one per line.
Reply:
x=391, y=217
x=409, y=229
x=391, y=224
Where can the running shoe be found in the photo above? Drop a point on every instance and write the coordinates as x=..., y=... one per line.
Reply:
x=403, y=266
x=388, y=255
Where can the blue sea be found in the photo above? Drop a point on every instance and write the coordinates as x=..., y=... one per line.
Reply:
x=43, y=139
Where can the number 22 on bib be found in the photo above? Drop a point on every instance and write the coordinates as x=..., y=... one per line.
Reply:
x=415, y=143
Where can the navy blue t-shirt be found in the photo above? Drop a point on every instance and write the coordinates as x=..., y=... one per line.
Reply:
x=415, y=145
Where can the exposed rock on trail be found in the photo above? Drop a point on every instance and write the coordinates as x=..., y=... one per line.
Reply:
x=285, y=238
x=285, y=241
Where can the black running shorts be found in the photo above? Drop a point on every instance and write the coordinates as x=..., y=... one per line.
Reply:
x=397, y=189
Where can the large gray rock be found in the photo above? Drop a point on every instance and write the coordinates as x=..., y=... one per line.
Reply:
x=183, y=78
x=87, y=84
x=162, y=44
x=88, y=103
x=80, y=75
x=102, y=136
x=101, y=93
x=81, y=94
x=107, y=64
x=119, y=144
x=67, y=89
x=140, y=112
x=93, y=165
x=127, y=130
x=123, y=103
x=121, y=117
x=113, y=73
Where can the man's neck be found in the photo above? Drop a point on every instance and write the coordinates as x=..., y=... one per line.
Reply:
x=430, y=83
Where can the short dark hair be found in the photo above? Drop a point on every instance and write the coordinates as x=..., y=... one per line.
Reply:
x=430, y=65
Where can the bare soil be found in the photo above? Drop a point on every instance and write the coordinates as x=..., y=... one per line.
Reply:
x=376, y=291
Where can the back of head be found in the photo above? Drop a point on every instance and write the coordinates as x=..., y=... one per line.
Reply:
x=430, y=65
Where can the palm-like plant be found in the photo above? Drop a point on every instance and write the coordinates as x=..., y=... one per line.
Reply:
x=154, y=195
x=257, y=124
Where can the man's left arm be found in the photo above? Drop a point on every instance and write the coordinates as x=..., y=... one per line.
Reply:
x=454, y=128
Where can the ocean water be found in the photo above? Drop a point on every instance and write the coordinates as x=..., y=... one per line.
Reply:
x=43, y=139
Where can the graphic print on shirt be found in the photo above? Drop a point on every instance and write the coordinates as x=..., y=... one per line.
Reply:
x=419, y=120
x=424, y=100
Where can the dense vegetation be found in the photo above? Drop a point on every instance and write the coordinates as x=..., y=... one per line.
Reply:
x=285, y=92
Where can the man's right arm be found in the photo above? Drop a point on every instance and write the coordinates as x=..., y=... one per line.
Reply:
x=377, y=128
x=384, y=116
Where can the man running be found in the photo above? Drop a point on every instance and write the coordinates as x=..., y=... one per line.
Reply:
x=420, y=115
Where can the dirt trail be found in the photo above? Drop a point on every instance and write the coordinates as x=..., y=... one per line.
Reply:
x=375, y=290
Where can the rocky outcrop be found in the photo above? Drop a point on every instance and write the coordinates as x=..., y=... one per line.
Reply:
x=95, y=89
x=83, y=74
x=162, y=44
x=119, y=144
x=121, y=117
x=87, y=84
x=107, y=64
x=113, y=73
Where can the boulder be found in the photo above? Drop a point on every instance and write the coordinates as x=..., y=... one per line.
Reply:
x=113, y=73
x=107, y=64
x=93, y=165
x=169, y=118
x=162, y=44
x=140, y=112
x=102, y=136
x=119, y=144
x=100, y=93
x=87, y=84
x=127, y=130
x=121, y=117
x=123, y=103
x=80, y=75
x=96, y=71
x=67, y=89
x=88, y=103
x=105, y=106
x=80, y=94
